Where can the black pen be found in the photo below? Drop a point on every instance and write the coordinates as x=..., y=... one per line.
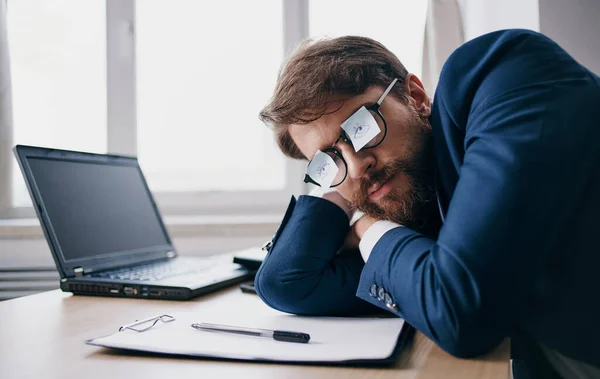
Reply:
x=278, y=335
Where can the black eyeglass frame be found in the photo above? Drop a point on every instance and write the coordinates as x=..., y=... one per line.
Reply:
x=344, y=137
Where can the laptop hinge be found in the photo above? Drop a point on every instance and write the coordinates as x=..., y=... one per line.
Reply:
x=78, y=271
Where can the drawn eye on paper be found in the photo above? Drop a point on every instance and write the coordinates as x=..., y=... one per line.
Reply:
x=323, y=170
x=360, y=130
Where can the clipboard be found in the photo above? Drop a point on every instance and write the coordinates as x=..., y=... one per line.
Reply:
x=334, y=340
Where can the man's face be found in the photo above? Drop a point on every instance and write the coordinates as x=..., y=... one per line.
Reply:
x=393, y=181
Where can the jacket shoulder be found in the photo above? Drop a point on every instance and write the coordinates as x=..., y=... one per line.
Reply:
x=499, y=62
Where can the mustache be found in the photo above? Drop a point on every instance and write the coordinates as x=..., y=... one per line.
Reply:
x=378, y=178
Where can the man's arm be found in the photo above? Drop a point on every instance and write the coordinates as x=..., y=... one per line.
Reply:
x=529, y=147
x=303, y=272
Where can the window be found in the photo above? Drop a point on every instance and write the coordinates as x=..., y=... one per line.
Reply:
x=179, y=83
x=398, y=24
x=58, y=68
x=202, y=77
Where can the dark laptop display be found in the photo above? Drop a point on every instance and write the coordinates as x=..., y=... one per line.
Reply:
x=105, y=231
x=98, y=209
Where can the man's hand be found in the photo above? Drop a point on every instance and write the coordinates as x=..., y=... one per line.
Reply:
x=337, y=199
x=362, y=224
x=359, y=228
x=357, y=231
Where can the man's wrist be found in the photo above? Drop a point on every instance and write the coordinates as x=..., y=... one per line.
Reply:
x=333, y=196
x=363, y=224
x=372, y=235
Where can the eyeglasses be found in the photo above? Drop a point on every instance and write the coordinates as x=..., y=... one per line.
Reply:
x=143, y=325
x=365, y=129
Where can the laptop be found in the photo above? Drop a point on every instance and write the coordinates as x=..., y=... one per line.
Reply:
x=106, y=233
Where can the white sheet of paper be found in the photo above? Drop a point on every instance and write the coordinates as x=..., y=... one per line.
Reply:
x=333, y=339
x=361, y=127
x=322, y=169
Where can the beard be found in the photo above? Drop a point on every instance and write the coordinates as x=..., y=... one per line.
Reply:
x=416, y=206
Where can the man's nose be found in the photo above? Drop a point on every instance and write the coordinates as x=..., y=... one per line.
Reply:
x=359, y=164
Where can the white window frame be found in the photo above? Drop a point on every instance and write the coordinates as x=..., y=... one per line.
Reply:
x=122, y=125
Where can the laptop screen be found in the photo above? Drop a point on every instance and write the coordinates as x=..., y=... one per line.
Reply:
x=97, y=209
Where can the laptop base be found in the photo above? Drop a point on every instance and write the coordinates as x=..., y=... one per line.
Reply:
x=92, y=287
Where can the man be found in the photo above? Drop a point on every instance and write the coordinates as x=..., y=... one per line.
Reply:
x=481, y=206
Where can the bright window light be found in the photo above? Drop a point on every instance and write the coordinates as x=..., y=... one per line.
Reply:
x=398, y=24
x=58, y=64
x=204, y=71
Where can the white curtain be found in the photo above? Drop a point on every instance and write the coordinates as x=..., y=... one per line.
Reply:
x=443, y=34
x=6, y=119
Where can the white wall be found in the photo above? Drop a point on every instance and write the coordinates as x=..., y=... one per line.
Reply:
x=484, y=16
x=575, y=25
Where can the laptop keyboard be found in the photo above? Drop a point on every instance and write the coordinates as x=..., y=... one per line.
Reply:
x=157, y=271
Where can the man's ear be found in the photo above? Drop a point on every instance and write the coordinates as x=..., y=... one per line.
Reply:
x=415, y=92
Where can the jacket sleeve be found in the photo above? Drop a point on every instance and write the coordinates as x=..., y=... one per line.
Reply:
x=529, y=148
x=303, y=272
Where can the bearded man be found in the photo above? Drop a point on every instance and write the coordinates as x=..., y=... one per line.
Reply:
x=481, y=206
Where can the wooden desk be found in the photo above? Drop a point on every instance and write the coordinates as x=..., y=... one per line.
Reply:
x=42, y=336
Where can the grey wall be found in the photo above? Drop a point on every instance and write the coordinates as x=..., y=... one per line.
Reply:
x=575, y=25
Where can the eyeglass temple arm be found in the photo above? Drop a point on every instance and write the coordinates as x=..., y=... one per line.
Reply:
x=385, y=93
x=308, y=179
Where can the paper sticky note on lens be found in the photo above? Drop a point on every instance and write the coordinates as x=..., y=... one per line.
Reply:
x=361, y=128
x=322, y=169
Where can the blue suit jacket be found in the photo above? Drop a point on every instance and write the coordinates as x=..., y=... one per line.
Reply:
x=517, y=144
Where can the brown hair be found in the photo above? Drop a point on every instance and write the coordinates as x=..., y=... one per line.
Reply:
x=320, y=69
